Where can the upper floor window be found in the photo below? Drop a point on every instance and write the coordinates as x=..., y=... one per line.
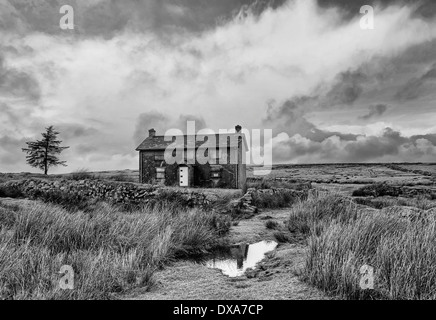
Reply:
x=215, y=153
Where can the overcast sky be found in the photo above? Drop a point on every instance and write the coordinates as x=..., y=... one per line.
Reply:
x=330, y=91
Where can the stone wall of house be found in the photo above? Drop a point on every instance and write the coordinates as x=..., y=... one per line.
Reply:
x=118, y=192
x=148, y=165
x=150, y=160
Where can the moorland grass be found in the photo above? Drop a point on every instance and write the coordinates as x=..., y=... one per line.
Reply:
x=81, y=174
x=317, y=210
x=377, y=190
x=274, y=200
x=10, y=191
x=420, y=202
x=268, y=183
x=342, y=240
x=110, y=251
x=271, y=224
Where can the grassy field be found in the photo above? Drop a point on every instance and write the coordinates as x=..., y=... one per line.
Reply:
x=322, y=174
x=398, y=243
x=361, y=215
x=119, y=175
x=110, y=251
x=355, y=215
x=346, y=178
x=405, y=174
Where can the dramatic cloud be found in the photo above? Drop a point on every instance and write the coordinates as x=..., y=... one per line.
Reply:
x=375, y=111
x=341, y=93
x=10, y=151
x=390, y=146
x=17, y=84
x=413, y=88
x=421, y=8
x=303, y=68
x=161, y=123
x=108, y=18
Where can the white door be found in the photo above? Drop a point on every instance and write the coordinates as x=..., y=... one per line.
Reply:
x=184, y=177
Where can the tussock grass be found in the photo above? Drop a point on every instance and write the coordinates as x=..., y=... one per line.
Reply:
x=31, y=272
x=81, y=174
x=402, y=253
x=267, y=183
x=271, y=224
x=342, y=240
x=122, y=177
x=274, y=200
x=318, y=209
x=420, y=202
x=9, y=191
x=280, y=236
x=377, y=190
x=69, y=201
x=110, y=251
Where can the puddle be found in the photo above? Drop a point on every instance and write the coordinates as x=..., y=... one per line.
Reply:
x=237, y=259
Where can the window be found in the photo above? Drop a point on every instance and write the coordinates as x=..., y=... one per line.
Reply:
x=160, y=174
x=215, y=153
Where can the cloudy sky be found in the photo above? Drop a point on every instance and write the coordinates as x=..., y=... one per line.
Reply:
x=330, y=91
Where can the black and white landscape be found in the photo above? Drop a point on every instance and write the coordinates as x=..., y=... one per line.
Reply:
x=327, y=190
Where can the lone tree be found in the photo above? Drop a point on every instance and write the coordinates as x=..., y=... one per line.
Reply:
x=42, y=154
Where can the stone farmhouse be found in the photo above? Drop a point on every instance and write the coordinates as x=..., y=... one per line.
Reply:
x=225, y=167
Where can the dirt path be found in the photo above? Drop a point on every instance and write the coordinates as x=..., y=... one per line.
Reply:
x=273, y=279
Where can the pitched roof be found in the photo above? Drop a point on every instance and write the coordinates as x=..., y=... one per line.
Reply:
x=159, y=143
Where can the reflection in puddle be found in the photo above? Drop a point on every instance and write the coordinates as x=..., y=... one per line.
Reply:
x=234, y=262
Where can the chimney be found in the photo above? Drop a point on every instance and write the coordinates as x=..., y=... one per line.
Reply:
x=151, y=133
x=238, y=128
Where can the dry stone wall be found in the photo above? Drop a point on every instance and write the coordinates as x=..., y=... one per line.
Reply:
x=117, y=192
x=246, y=204
x=128, y=193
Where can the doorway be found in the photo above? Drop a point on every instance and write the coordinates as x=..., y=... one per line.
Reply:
x=184, y=176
